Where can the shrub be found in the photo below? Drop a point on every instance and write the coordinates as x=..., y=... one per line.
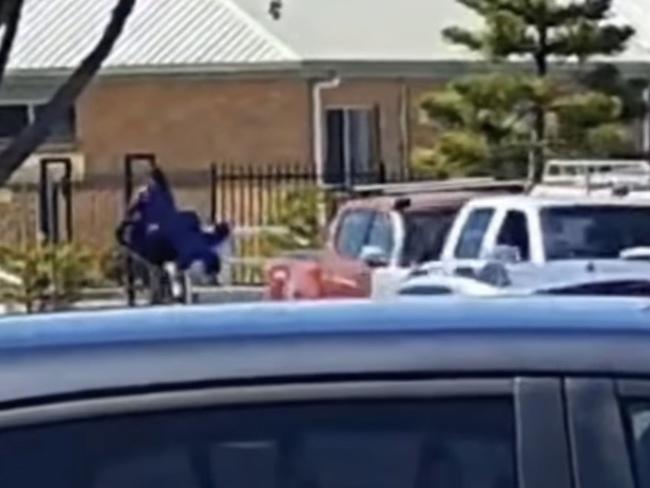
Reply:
x=48, y=277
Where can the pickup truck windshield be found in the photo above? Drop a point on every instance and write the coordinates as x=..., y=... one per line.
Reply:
x=425, y=235
x=593, y=232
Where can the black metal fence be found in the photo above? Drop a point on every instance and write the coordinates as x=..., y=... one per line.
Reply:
x=88, y=208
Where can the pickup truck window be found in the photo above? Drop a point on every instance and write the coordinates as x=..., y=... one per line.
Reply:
x=353, y=233
x=381, y=233
x=594, y=231
x=514, y=233
x=393, y=444
x=473, y=233
x=426, y=232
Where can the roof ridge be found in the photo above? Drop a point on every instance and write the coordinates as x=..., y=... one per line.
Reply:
x=260, y=29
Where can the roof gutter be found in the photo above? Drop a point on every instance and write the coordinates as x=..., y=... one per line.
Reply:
x=318, y=131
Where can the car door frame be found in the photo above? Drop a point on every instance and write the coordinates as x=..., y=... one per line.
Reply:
x=541, y=451
x=535, y=254
x=597, y=431
x=453, y=240
x=341, y=275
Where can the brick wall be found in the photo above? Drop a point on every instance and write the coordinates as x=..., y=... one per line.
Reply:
x=189, y=123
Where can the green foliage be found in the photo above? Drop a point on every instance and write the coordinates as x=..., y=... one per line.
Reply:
x=487, y=122
x=71, y=270
x=51, y=277
x=608, y=140
x=458, y=153
x=30, y=267
x=608, y=79
x=542, y=29
x=298, y=222
x=483, y=126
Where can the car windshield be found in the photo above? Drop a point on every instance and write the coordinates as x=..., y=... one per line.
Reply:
x=592, y=232
x=425, y=234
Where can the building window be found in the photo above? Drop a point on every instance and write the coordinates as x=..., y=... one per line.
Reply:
x=351, y=142
x=15, y=117
x=65, y=129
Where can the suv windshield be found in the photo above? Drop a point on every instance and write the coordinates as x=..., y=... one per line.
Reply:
x=594, y=232
x=425, y=234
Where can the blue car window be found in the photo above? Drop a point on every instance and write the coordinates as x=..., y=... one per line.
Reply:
x=398, y=444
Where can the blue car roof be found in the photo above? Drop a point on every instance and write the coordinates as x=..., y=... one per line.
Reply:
x=88, y=352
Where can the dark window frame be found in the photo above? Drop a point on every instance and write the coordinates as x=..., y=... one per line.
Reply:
x=20, y=111
x=596, y=418
x=524, y=247
x=411, y=252
x=65, y=131
x=339, y=157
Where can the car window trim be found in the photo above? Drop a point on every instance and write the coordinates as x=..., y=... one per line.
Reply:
x=542, y=446
x=61, y=411
x=492, y=214
x=594, y=419
x=633, y=388
x=387, y=218
x=502, y=226
x=630, y=391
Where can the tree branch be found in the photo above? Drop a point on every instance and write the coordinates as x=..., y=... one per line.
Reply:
x=467, y=38
x=35, y=134
x=11, y=21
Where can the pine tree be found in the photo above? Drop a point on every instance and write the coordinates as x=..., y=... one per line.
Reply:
x=537, y=34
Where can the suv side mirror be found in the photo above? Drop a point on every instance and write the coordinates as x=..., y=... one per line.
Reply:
x=374, y=256
x=503, y=253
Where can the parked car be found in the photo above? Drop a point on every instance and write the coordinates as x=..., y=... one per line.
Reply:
x=373, y=242
x=585, y=227
x=453, y=393
x=538, y=240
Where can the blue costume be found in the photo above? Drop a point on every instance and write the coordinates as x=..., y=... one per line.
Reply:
x=158, y=232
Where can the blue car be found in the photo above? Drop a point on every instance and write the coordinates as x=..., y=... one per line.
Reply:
x=536, y=392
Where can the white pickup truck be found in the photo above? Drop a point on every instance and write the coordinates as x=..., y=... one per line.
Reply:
x=542, y=231
x=559, y=230
x=540, y=240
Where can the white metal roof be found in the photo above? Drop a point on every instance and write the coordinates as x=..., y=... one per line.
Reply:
x=236, y=34
x=368, y=30
x=405, y=30
x=57, y=34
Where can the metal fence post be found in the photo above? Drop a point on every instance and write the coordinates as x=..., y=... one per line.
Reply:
x=49, y=194
x=213, y=193
x=129, y=189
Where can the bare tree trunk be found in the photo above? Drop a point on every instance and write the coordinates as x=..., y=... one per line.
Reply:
x=35, y=134
x=11, y=10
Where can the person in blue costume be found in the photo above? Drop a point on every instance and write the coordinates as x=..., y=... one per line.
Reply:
x=157, y=231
